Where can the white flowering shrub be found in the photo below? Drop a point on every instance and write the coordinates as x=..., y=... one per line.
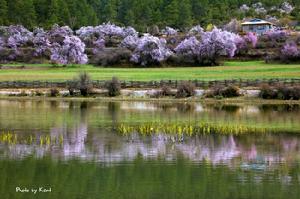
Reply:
x=169, y=31
x=244, y=8
x=196, y=30
x=286, y=8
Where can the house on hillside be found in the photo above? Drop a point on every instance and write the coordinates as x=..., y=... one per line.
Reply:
x=257, y=26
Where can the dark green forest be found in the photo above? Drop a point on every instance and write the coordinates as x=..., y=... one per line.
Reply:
x=137, y=13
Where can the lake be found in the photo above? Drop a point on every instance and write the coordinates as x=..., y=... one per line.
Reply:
x=74, y=149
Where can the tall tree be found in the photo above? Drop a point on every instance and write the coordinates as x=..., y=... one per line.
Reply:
x=185, y=19
x=3, y=12
x=171, y=13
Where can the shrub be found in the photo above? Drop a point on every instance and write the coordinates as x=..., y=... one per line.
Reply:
x=72, y=86
x=220, y=92
x=84, y=84
x=266, y=92
x=113, y=87
x=164, y=91
x=231, y=91
x=287, y=93
x=39, y=93
x=169, y=31
x=185, y=89
x=54, y=92
x=196, y=31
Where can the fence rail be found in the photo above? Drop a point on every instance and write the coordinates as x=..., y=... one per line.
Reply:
x=154, y=84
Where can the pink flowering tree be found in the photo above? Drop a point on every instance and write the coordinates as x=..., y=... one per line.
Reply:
x=246, y=42
x=130, y=42
x=13, y=38
x=290, y=52
x=40, y=42
x=71, y=51
x=150, y=50
x=66, y=48
x=215, y=44
x=188, y=50
x=277, y=35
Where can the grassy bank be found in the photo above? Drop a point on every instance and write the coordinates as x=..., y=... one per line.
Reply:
x=230, y=70
x=224, y=101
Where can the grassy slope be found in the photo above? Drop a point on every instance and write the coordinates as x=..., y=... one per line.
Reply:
x=230, y=70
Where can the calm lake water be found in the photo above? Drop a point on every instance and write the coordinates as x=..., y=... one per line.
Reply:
x=74, y=148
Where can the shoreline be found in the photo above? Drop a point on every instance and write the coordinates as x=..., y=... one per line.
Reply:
x=237, y=100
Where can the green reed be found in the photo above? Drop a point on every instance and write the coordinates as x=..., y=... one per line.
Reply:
x=11, y=138
x=187, y=129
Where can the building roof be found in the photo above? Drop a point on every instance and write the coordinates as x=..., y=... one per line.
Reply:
x=257, y=22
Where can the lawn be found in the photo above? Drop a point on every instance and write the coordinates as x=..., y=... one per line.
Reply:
x=230, y=70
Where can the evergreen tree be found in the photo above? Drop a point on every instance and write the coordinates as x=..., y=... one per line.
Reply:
x=52, y=13
x=110, y=11
x=185, y=19
x=3, y=12
x=171, y=13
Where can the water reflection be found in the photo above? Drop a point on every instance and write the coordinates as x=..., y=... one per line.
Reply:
x=87, y=129
x=87, y=153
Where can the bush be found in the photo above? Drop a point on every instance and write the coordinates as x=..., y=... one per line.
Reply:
x=220, y=92
x=72, y=86
x=113, y=87
x=54, y=92
x=164, y=91
x=280, y=92
x=38, y=93
x=185, y=89
x=85, y=84
x=266, y=92
x=286, y=93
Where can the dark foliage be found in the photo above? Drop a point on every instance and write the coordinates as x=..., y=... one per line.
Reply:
x=164, y=92
x=113, y=87
x=227, y=92
x=54, y=92
x=110, y=57
x=266, y=92
x=185, y=89
x=84, y=84
x=280, y=92
x=72, y=86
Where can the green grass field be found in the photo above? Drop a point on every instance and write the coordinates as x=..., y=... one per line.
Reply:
x=230, y=70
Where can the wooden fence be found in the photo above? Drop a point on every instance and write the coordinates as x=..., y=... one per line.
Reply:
x=154, y=84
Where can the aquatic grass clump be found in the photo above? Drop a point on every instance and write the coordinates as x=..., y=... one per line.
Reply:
x=187, y=129
x=40, y=140
x=8, y=137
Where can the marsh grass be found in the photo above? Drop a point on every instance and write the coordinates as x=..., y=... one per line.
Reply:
x=188, y=129
x=11, y=138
